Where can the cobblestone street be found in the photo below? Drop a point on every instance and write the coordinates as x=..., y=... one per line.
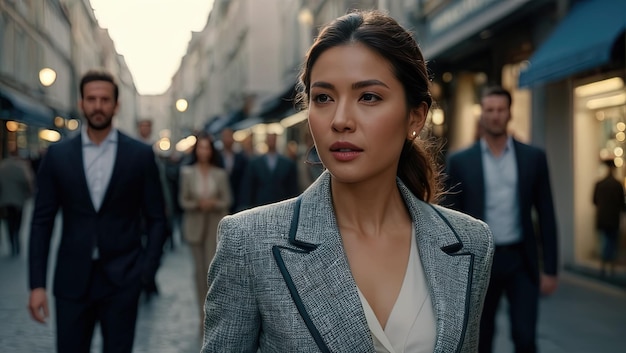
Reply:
x=169, y=323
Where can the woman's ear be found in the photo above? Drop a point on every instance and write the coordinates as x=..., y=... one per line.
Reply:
x=417, y=119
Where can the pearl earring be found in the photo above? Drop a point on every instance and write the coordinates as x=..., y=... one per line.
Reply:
x=413, y=134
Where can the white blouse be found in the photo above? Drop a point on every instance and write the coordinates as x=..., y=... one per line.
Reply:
x=411, y=324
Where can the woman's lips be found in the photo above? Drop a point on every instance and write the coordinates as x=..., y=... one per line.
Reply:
x=345, y=151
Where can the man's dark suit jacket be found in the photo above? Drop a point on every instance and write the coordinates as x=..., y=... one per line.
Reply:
x=134, y=190
x=260, y=186
x=465, y=188
x=240, y=161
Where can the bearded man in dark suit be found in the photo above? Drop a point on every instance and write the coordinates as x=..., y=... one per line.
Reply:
x=104, y=182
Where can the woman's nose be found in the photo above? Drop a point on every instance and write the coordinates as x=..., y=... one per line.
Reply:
x=343, y=120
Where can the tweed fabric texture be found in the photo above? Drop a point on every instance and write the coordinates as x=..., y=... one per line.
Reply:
x=249, y=305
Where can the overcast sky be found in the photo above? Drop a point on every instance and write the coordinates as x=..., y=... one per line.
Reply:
x=152, y=35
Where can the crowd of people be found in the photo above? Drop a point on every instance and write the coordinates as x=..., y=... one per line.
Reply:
x=367, y=247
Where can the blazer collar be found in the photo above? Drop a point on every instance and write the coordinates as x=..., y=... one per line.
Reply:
x=322, y=282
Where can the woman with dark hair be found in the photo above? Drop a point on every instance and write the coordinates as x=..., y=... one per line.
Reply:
x=362, y=261
x=205, y=198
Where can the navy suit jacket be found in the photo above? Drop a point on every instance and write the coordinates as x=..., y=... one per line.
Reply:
x=466, y=192
x=261, y=186
x=134, y=191
x=240, y=161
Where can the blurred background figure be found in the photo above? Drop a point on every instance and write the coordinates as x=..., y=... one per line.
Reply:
x=506, y=183
x=608, y=197
x=247, y=146
x=105, y=184
x=205, y=199
x=144, y=131
x=269, y=178
x=16, y=186
x=144, y=134
x=235, y=163
x=310, y=166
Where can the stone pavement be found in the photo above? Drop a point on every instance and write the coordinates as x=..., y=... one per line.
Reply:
x=169, y=323
x=584, y=316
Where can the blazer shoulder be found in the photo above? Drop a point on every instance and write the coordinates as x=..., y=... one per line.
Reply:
x=472, y=231
x=463, y=153
x=526, y=148
x=263, y=221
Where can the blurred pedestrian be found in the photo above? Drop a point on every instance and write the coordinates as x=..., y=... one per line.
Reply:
x=361, y=261
x=144, y=131
x=235, y=163
x=16, y=187
x=608, y=196
x=310, y=166
x=205, y=198
x=501, y=180
x=104, y=182
x=268, y=178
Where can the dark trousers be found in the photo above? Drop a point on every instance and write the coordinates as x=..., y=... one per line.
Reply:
x=114, y=308
x=510, y=277
x=14, y=222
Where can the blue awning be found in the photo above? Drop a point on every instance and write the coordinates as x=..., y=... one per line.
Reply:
x=582, y=41
x=17, y=106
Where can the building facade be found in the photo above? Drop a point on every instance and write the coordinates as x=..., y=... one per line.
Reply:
x=45, y=46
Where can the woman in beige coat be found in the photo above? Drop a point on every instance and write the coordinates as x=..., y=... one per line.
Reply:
x=205, y=198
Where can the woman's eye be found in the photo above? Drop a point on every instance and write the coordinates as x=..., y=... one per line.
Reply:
x=322, y=98
x=370, y=97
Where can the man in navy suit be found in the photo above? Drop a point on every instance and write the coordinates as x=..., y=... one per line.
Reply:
x=104, y=182
x=501, y=181
x=235, y=163
x=269, y=178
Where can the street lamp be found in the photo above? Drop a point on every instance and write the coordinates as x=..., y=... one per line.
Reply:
x=47, y=76
x=181, y=105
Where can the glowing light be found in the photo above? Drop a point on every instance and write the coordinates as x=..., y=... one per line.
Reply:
x=592, y=89
x=72, y=124
x=49, y=135
x=59, y=122
x=12, y=126
x=182, y=105
x=438, y=117
x=47, y=76
x=186, y=143
x=610, y=101
x=164, y=144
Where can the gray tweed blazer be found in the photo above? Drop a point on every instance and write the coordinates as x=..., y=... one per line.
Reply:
x=280, y=280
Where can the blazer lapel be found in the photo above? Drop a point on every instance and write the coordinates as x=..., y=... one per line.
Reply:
x=122, y=155
x=76, y=159
x=318, y=276
x=448, y=270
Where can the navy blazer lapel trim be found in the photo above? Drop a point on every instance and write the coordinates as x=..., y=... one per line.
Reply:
x=306, y=248
x=452, y=251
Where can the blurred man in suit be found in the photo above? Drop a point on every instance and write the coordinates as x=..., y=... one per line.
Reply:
x=268, y=178
x=104, y=182
x=16, y=186
x=501, y=181
x=235, y=163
